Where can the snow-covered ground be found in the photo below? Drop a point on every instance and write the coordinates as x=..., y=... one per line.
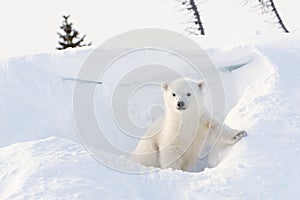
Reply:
x=41, y=156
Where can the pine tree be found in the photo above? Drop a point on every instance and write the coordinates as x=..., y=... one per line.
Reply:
x=70, y=38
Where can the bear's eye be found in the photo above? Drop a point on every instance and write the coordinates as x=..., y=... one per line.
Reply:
x=188, y=94
x=174, y=95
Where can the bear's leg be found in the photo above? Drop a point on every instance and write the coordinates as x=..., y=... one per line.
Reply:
x=148, y=160
x=239, y=135
x=146, y=153
x=170, y=158
x=232, y=136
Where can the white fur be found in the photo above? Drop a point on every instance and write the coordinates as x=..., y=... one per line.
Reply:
x=176, y=139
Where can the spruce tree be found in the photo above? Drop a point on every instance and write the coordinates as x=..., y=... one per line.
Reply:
x=70, y=37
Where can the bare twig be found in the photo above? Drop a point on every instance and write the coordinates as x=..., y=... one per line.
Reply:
x=195, y=24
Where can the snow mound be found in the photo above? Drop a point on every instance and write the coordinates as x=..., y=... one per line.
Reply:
x=41, y=156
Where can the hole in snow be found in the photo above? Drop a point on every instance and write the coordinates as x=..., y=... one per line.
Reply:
x=241, y=86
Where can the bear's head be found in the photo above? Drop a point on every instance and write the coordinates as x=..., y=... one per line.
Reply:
x=183, y=95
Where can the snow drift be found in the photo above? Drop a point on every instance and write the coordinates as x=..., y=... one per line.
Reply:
x=41, y=156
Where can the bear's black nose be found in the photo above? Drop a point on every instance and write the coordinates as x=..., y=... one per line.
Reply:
x=180, y=104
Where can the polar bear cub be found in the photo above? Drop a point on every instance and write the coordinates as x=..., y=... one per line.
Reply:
x=176, y=139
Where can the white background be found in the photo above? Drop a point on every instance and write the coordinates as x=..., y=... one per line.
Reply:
x=30, y=26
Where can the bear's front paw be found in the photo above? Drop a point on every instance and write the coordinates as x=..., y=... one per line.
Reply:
x=239, y=135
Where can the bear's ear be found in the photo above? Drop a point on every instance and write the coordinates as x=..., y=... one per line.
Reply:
x=164, y=86
x=201, y=84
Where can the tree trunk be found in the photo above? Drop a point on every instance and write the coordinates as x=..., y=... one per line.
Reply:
x=280, y=22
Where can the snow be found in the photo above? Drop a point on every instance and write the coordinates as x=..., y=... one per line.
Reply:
x=41, y=156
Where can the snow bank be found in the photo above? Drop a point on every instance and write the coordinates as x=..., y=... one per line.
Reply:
x=34, y=101
x=40, y=156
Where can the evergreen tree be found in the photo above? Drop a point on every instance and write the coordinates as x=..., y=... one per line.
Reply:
x=70, y=38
